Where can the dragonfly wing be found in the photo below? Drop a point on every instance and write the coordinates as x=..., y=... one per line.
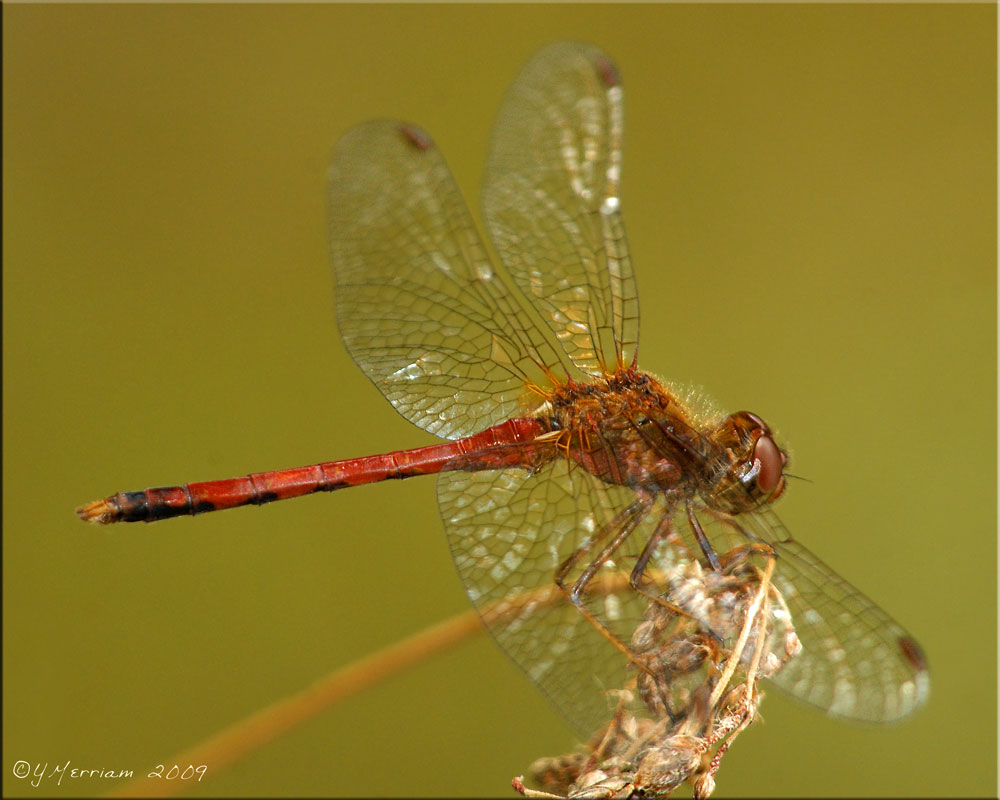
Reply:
x=419, y=304
x=553, y=207
x=856, y=661
x=509, y=532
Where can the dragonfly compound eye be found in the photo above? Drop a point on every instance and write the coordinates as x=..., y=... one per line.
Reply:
x=769, y=462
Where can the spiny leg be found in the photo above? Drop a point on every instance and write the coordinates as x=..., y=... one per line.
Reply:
x=725, y=519
x=663, y=531
x=625, y=523
x=620, y=520
x=638, y=510
x=757, y=545
x=699, y=534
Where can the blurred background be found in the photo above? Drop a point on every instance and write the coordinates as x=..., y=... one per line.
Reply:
x=811, y=200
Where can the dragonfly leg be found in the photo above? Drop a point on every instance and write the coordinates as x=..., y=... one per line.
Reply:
x=757, y=545
x=625, y=523
x=636, y=513
x=663, y=531
x=603, y=629
x=699, y=534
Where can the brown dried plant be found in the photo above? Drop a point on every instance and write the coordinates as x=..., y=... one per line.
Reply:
x=697, y=656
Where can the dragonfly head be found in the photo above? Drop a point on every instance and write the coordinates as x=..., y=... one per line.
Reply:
x=750, y=472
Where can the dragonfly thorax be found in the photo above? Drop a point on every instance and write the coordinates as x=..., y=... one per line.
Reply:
x=626, y=428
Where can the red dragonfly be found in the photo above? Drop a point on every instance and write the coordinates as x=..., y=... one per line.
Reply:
x=565, y=465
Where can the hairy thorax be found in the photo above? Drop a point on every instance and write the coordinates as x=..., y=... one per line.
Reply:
x=626, y=428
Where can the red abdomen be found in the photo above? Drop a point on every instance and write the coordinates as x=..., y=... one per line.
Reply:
x=509, y=444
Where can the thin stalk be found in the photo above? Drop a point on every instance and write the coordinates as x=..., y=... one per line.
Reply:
x=263, y=726
x=267, y=724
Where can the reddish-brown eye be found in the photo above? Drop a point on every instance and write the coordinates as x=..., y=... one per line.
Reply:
x=771, y=461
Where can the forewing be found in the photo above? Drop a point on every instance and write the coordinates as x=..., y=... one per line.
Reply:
x=856, y=661
x=419, y=305
x=553, y=207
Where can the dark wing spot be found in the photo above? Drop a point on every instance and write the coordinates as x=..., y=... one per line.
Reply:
x=610, y=76
x=913, y=653
x=416, y=137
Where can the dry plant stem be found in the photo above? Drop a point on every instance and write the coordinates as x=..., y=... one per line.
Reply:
x=632, y=762
x=520, y=788
x=261, y=727
x=737, y=653
x=765, y=616
x=751, y=678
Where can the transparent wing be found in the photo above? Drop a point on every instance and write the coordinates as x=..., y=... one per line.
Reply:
x=856, y=662
x=509, y=532
x=552, y=203
x=419, y=305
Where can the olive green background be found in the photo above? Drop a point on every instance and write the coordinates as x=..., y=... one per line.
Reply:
x=811, y=200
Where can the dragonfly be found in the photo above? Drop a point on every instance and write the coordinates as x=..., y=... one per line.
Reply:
x=564, y=468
